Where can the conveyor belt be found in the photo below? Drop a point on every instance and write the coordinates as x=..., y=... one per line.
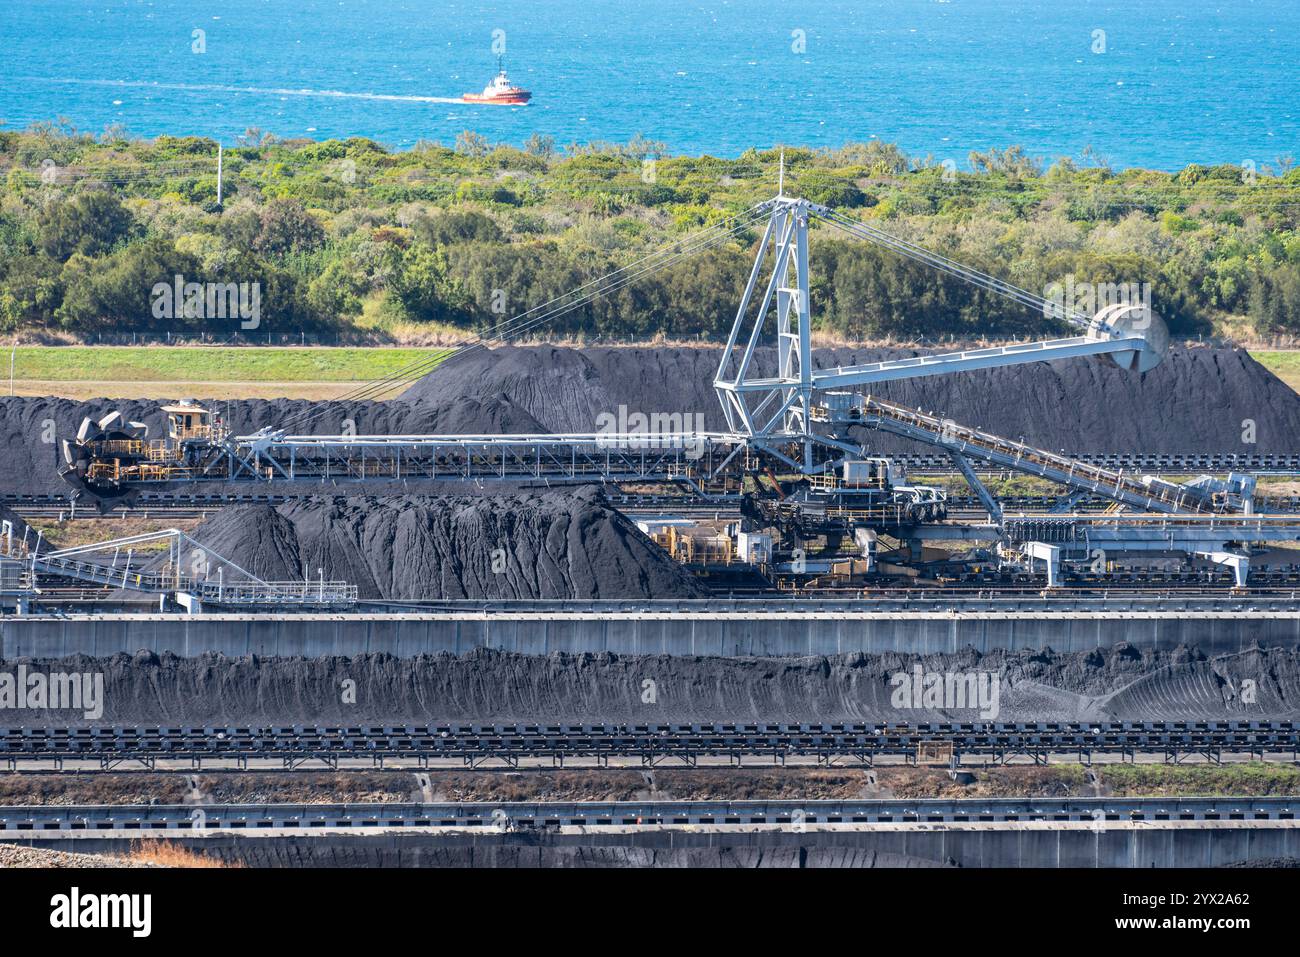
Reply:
x=473, y=745
x=1115, y=484
x=929, y=463
x=1147, y=463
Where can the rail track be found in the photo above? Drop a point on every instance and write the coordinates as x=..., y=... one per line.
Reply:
x=463, y=745
x=269, y=819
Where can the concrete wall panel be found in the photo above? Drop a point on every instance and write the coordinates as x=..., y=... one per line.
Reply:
x=629, y=634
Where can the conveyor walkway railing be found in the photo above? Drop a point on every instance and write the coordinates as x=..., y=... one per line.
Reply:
x=1151, y=495
x=475, y=745
x=1096, y=812
x=208, y=582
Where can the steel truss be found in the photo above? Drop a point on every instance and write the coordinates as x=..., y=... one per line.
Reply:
x=192, y=570
x=669, y=456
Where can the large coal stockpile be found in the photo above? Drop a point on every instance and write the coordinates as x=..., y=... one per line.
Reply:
x=554, y=544
x=1198, y=400
x=31, y=427
x=1119, y=684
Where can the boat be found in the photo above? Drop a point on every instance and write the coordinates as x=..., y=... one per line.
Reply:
x=500, y=90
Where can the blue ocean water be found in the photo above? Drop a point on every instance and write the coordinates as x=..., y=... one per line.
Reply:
x=1179, y=81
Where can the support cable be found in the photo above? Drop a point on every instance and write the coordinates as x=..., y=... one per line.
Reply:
x=515, y=326
x=938, y=261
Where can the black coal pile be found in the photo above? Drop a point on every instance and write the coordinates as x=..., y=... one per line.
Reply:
x=484, y=686
x=1197, y=400
x=477, y=415
x=31, y=428
x=553, y=544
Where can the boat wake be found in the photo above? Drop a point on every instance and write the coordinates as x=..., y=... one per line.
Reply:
x=255, y=90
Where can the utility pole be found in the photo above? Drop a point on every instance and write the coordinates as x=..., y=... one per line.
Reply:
x=219, y=156
x=12, y=352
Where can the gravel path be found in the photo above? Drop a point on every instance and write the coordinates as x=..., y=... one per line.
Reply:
x=14, y=855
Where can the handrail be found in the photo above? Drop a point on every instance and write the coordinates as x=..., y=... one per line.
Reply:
x=964, y=438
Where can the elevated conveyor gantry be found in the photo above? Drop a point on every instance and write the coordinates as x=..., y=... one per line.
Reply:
x=1143, y=493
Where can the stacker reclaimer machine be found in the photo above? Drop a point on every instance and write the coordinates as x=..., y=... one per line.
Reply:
x=785, y=417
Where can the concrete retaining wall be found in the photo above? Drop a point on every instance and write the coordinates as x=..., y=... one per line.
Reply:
x=1144, y=846
x=695, y=634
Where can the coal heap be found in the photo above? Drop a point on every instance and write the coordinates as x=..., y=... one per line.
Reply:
x=553, y=544
x=1195, y=401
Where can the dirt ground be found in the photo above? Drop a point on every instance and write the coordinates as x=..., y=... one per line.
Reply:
x=697, y=784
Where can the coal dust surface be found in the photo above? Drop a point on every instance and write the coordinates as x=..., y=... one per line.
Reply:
x=539, y=544
x=1195, y=401
x=487, y=686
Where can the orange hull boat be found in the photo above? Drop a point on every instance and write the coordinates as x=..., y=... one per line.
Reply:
x=501, y=91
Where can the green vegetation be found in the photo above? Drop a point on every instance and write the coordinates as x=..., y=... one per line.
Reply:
x=1246, y=780
x=1284, y=365
x=209, y=363
x=348, y=240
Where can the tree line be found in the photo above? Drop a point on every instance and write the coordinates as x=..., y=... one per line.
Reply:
x=350, y=239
